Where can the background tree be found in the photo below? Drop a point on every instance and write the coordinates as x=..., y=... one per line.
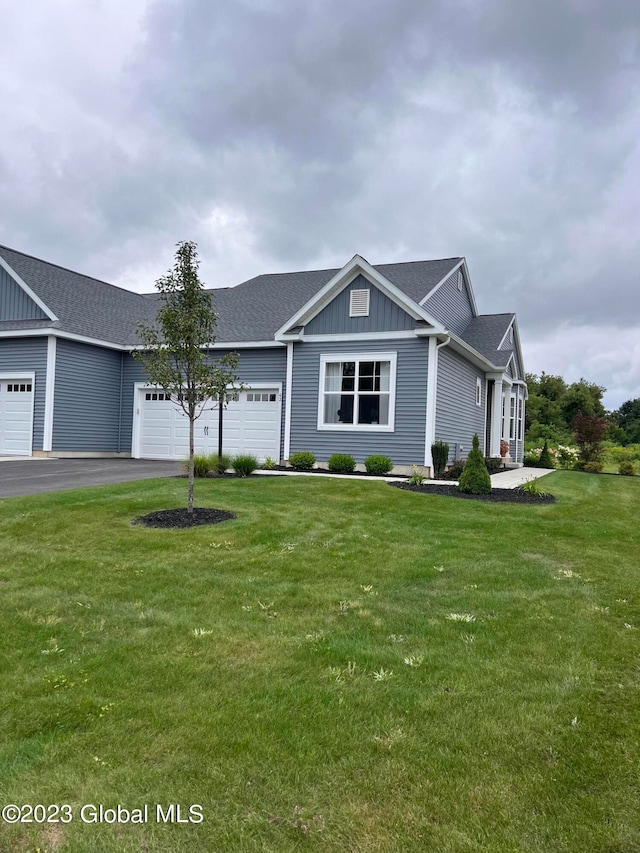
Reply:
x=552, y=406
x=589, y=433
x=627, y=420
x=175, y=355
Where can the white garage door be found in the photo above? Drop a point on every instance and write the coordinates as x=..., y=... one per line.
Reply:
x=16, y=416
x=251, y=424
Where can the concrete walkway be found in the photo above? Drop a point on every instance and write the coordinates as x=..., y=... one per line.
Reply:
x=517, y=476
x=505, y=480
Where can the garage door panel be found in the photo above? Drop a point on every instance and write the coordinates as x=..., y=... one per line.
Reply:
x=16, y=416
x=249, y=426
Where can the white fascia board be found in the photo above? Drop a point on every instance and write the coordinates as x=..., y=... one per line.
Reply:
x=359, y=336
x=14, y=275
x=504, y=337
x=220, y=345
x=472, y=354
x=441, y=282
x=342, y=279
x=460, y=265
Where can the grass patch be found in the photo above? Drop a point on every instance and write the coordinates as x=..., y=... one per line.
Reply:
x=345, y=666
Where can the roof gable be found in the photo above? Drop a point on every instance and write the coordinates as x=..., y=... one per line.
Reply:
x=356, y=266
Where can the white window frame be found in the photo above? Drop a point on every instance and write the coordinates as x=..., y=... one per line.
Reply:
x=478, y=391
x=519, y=417
x=460, y=280
x=357, y=357
x=363, y=293
x=512, y=417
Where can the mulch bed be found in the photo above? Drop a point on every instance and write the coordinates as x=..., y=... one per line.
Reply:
x=168, y=518
x=515, y=496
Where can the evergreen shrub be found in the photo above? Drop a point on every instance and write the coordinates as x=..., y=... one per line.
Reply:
x=341, y=463
x=303, y=460
x=378, y=465
x=440, y=456
x=475, y=479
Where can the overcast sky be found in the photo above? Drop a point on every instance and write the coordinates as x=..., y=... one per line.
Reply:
x=283, y=135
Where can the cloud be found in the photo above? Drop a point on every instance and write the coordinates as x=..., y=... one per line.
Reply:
x=283, y=136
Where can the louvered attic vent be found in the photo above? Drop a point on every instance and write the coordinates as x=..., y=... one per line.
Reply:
x=359, y=303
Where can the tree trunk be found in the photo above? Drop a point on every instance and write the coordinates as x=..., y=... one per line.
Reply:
x=191, y=465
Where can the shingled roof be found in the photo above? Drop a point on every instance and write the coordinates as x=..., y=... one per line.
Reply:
x=485, y=332
x=251, y=311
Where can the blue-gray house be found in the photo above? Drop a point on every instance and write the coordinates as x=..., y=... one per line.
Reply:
x=360, y=360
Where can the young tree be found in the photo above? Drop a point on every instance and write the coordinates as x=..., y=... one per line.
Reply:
x=589, y=432
x=175, y=348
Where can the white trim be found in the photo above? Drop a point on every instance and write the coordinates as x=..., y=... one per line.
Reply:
x=441, y=282
x=485, y=449
x=361, y=336
x=325, y=358
x=28, y=376
x=341, y=280
x=430, y=414
x=503, y=338
x=14, y=275
x=460, y=265
x=478, y=389
x=45, y=331
x=496, y=418
x=288, y=401
x=49, y=398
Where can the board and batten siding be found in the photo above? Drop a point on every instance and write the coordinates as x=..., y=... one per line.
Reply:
x=86, y=410
x=451, y=306
x=457, y=415
x=29, y=354
x=15, y=303
x=384, y=314
x=256, y=365
x=405, y=445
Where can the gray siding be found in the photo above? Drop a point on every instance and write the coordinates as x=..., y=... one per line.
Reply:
x=15, y=304
x=384, y=314
x=86, y=411
x=256, y=365
x=457, y=416
x=29, y=354
x=451, y=306
x=405, y=446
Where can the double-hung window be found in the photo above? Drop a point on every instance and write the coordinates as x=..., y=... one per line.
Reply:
x=357, y=392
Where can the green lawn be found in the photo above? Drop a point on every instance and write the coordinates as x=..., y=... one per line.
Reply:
x=345, y=667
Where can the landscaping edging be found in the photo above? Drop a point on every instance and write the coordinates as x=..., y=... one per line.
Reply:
x=495, y=496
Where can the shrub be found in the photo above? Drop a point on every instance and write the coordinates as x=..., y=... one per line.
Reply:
x=440, y=456
x=475, y=478
x=545, y=460
x=455, y=470
x=303, y=460
x=378, y=465
x=530, y=459
x=532, y=487
x=219, y=466
x=201, y=465
x=493, y=465
x=244, y=465
x=626, y=468
x=270, y=463
x=417, y=477
x=592, y=467
x=341, y=463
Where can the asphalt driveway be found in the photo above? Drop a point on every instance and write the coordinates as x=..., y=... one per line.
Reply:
x=35, y=476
